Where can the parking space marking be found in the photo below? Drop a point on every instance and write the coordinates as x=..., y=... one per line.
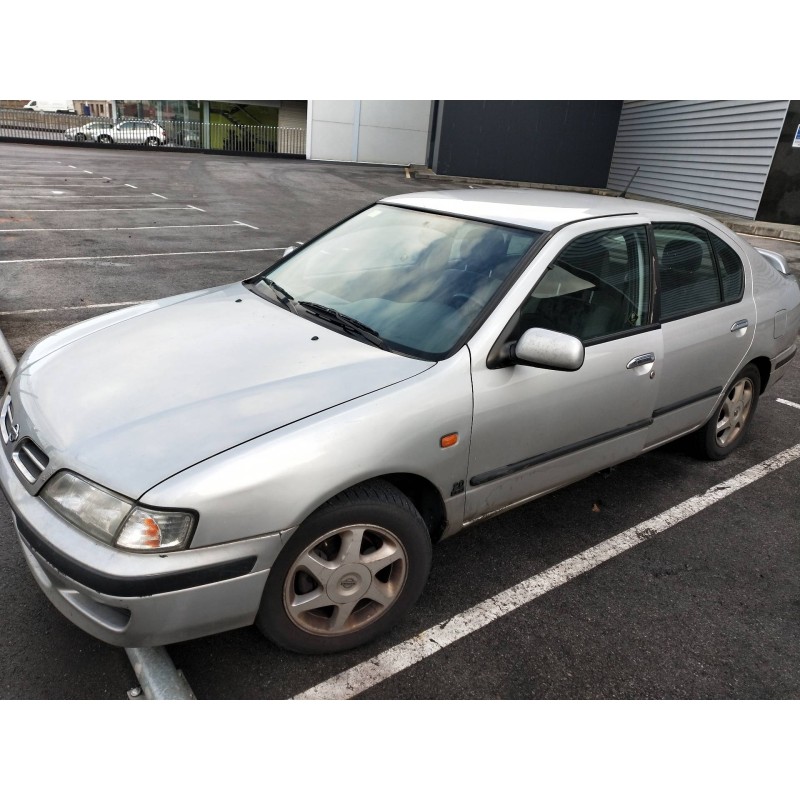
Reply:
x=69, y=308
x=143, y=255
x=79, y=210
x=49, y=185
x=127, y=228
x=789, y=403
x=131, y=185
x=78, y=196
x=158, y=195
x=88, y=172
x=197, y=209
x=363, y=676
x=245, y=224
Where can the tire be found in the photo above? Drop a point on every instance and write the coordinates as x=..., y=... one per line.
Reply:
x=105, y=139
x=80, y=137
x=151, y=141
x=351, y=594
x=729, y=423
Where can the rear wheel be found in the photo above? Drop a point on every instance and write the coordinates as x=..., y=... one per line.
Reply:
x=80, y=137
x=728, y=426
x=104, y=138
x=349, y=573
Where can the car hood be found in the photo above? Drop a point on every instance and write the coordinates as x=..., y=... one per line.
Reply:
x=159, y=388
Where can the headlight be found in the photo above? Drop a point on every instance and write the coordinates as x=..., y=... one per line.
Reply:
x=113, y=519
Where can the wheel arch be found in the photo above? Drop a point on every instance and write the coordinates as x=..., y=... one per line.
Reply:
x=762, y=364
x=425, y=497
x=422, y=494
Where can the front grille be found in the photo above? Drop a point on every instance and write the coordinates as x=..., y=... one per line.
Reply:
x=30, y=460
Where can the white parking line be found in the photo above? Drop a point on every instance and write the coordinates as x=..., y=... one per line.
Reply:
x=363, y=676
x=131, y=185
x=69, y=308
x=78, y=196
x=80, y=210
x=50, y=185
x=789, y=403
x=197, y=209
x=245, y=224
x=88, y=172
x=130, y=228
x=142, y=255
x=158, y=195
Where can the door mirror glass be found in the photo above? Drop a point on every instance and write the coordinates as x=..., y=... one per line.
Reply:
x=539, y=347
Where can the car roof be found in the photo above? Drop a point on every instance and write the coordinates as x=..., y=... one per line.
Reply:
x=540, y=209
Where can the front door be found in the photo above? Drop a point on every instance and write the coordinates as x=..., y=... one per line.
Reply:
x=537, y=429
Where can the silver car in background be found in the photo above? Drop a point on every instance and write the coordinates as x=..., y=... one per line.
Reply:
x=88, y=132
x=132, y=131
x=285, y=451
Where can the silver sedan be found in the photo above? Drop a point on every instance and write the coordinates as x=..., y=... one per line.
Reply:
x=285, y=451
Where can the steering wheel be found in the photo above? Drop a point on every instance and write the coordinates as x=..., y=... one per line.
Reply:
x=465, y=303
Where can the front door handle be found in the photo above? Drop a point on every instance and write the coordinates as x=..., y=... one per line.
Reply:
x=740, y=325
x=640, y=361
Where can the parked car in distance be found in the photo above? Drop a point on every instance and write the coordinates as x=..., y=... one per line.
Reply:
x=286, y=450
x=133, y=131
x=89, y=131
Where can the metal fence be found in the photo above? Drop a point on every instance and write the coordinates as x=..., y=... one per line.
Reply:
x=53, y=127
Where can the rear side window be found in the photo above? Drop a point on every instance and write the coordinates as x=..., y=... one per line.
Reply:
x=730, y=268
x=687, y=270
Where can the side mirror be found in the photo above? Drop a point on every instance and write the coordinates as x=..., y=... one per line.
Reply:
x=539, y=347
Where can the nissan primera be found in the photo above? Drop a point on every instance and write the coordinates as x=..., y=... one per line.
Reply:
x=284, y=451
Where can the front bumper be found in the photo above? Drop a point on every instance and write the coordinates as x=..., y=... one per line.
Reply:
x=139, y=599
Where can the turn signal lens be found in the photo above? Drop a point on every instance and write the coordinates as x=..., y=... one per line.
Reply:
x=449, y=440
x=145, y=529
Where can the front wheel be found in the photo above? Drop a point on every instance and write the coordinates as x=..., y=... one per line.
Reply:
x=349, y=573
x=153, y=142
x=728, y=426
x=80, y=137
x=105, y=139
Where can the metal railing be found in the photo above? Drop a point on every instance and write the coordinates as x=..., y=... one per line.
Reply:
x=45, y=126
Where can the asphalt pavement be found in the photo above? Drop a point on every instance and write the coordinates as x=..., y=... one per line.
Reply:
x=706, y=608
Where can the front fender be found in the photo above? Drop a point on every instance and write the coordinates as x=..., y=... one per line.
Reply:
x=274, y=482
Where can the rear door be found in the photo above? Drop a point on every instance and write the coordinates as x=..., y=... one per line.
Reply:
x=708, y=320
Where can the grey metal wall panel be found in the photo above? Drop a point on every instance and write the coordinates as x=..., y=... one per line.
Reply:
x=712, y=154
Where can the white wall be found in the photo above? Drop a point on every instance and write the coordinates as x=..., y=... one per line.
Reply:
x=369, y=131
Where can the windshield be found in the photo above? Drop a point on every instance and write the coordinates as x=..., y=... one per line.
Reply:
x=416, y=279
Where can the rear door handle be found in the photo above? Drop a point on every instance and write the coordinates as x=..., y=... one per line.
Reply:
x=740, y=325
x=640, y=361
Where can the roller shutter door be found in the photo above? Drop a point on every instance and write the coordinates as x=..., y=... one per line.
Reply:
x=709, y=154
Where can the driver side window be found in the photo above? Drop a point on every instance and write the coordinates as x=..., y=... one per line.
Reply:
x=598, y=286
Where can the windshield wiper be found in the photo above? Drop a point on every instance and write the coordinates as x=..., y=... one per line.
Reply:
x=348, y=324
x=281, y=294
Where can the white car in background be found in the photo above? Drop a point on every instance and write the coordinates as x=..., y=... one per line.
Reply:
x=130, y=131
x=89, y=132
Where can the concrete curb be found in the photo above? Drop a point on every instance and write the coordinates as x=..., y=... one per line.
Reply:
x=770, y=230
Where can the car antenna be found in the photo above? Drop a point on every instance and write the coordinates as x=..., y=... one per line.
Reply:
x=625, y=190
